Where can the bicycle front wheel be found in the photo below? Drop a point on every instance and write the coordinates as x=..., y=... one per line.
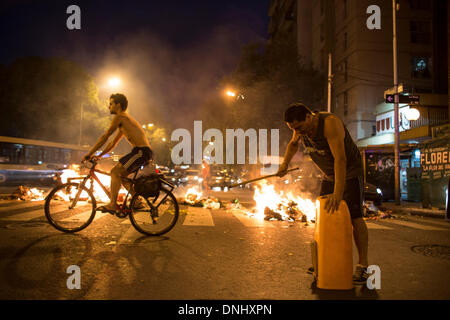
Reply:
x=70, y=207
x=154, y=216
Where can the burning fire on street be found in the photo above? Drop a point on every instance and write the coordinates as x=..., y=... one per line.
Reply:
x=73, y=174
x=270, y=204
x=273, y=205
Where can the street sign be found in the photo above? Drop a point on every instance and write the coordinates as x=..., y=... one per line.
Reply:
x=390, y=98
x=392, y=90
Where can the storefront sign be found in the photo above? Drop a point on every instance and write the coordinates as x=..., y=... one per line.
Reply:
x=385, y=121
x=435, y=162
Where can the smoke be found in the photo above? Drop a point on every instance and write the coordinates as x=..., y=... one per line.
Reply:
x=165, y=83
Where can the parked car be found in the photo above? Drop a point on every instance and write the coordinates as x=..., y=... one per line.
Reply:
x=372, y=193
x=190, y=176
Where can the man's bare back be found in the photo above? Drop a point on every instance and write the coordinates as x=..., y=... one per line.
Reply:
x=132, y=130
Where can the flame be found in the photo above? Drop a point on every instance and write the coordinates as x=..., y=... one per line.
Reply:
x=192, y=195
x=36, y=194
x=265, y=196
x=99, y=194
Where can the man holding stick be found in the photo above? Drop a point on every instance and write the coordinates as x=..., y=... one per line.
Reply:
x=325, y=138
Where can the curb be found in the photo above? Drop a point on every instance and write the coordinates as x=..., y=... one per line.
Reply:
x=418, y=212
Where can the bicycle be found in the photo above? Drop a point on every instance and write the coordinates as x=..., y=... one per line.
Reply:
x=153, y=209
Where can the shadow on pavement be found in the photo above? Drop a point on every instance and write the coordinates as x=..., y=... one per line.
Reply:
x=357, y=293
x=53, y=252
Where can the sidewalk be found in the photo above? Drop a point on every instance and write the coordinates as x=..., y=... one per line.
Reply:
x=413, y=208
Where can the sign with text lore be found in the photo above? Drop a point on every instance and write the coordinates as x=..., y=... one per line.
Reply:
x=435, y=162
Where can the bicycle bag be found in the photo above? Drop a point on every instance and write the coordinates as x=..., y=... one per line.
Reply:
x=147, y=187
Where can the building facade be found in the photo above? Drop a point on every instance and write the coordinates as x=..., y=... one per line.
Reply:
x=362, y=57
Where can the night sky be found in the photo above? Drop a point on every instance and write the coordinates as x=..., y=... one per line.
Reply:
x=169, y=54
x=39, y=27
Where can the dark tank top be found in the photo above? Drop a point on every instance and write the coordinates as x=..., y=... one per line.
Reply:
x=319, y=150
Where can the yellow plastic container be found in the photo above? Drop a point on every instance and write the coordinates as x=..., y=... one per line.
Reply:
x=332, y=247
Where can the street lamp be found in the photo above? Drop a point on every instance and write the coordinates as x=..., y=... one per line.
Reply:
x=412, y=114
x=231, y=93
x=114, y=82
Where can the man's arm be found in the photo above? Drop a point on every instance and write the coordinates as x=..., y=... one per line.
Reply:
x=112, y=144
x=335, y=133
x=291, y=150
x=101, y=141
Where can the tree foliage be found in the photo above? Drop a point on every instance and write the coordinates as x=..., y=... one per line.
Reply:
x=42, y=98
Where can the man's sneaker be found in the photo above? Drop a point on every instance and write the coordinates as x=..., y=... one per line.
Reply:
x=361, y=275
x=310, y=270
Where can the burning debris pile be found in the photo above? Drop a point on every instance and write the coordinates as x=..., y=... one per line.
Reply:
x=371, y=212
x=27, y=194
x=195, y=198
x=290, y=212
x=272, y=205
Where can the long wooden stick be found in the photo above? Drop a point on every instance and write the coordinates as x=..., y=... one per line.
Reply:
x=260, y=178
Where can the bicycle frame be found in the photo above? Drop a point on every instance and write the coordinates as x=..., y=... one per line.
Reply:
x=92, y=176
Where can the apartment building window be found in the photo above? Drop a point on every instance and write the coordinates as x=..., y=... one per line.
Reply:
x=322, y=58
x=322, y=32
x=345, y=9
x=420, y=31
x=345, y=103
x=420, y=4
x=421, y=67
x=345, y=40
x=345, y=71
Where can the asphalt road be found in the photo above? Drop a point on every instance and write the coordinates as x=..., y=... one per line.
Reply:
x=210, y=254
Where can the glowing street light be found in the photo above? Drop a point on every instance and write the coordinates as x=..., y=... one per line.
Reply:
x=412, y=114
x=114, y=82
x=231, y=93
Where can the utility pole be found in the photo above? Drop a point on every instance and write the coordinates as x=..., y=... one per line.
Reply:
x=329, y=82
x=396, y=109
x=81, y=124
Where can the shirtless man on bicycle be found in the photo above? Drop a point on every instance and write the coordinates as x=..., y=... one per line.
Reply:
x=140, y=155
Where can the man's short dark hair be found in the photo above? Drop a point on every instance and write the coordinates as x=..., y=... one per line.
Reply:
x=296, y=111
x=120, y=98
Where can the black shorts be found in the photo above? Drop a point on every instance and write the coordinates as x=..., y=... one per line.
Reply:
x=138, y=157
x=353, y=194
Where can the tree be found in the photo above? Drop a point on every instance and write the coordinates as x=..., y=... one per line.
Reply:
x=43, y=97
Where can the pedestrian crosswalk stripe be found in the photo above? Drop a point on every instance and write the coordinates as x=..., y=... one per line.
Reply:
x=21, y=205
x=249, y=221
x=29, y=215
x=198, y=217
x=414, y=225
x=129, y=236
x=371, y=225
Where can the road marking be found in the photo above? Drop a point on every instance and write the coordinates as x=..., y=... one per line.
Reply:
x=249, y=221
x=33, y=214
x=129, y=236
x=414, y=225
x=371, y=225
x=29, y=215
x=21, y=205
x=198, y=217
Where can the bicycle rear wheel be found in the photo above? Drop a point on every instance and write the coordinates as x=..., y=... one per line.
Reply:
x=154, y=216
x=70, y=207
